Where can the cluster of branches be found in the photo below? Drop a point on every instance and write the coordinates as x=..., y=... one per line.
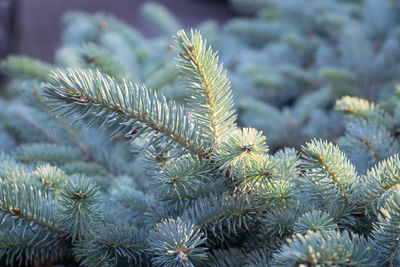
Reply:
x=201, y=191
x=296, y=58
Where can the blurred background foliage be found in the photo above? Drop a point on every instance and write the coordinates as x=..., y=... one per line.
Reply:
x=288, y=60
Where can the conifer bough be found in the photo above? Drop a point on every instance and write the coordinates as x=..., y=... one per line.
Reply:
x=203, y=192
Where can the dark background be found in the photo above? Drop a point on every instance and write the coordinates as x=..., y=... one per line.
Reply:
x=34, y=29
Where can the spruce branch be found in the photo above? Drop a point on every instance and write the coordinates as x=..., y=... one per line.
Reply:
x=367, y=142
x=50, y=177
x=222, y=216
x=279, y=223
x=21, y=202
x=259, y=258
x=329, y=248
x=12, y=171
x=239, y=150
x=113, y=245
x=315, y=221
x=272, y=173
x=72, y=132
x=176, y=242
x=267, y=167
x=361, y=108
x=210, y=93
x=232, y=257
x=81, y=205
x=69, y=129
x=141, y=206
x=184, y=178
x=328, y=170
x=23, y=246
x=386, y=235
x=134, y=109
x=363, y=133
x=379, y=182
x=288, y=163
x=275, y=193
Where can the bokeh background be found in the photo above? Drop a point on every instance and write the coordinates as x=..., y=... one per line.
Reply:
x=33, y=27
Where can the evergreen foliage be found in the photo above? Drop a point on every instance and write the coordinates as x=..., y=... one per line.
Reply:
x=200, y=191
x=182, y=184
x=297, y=57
